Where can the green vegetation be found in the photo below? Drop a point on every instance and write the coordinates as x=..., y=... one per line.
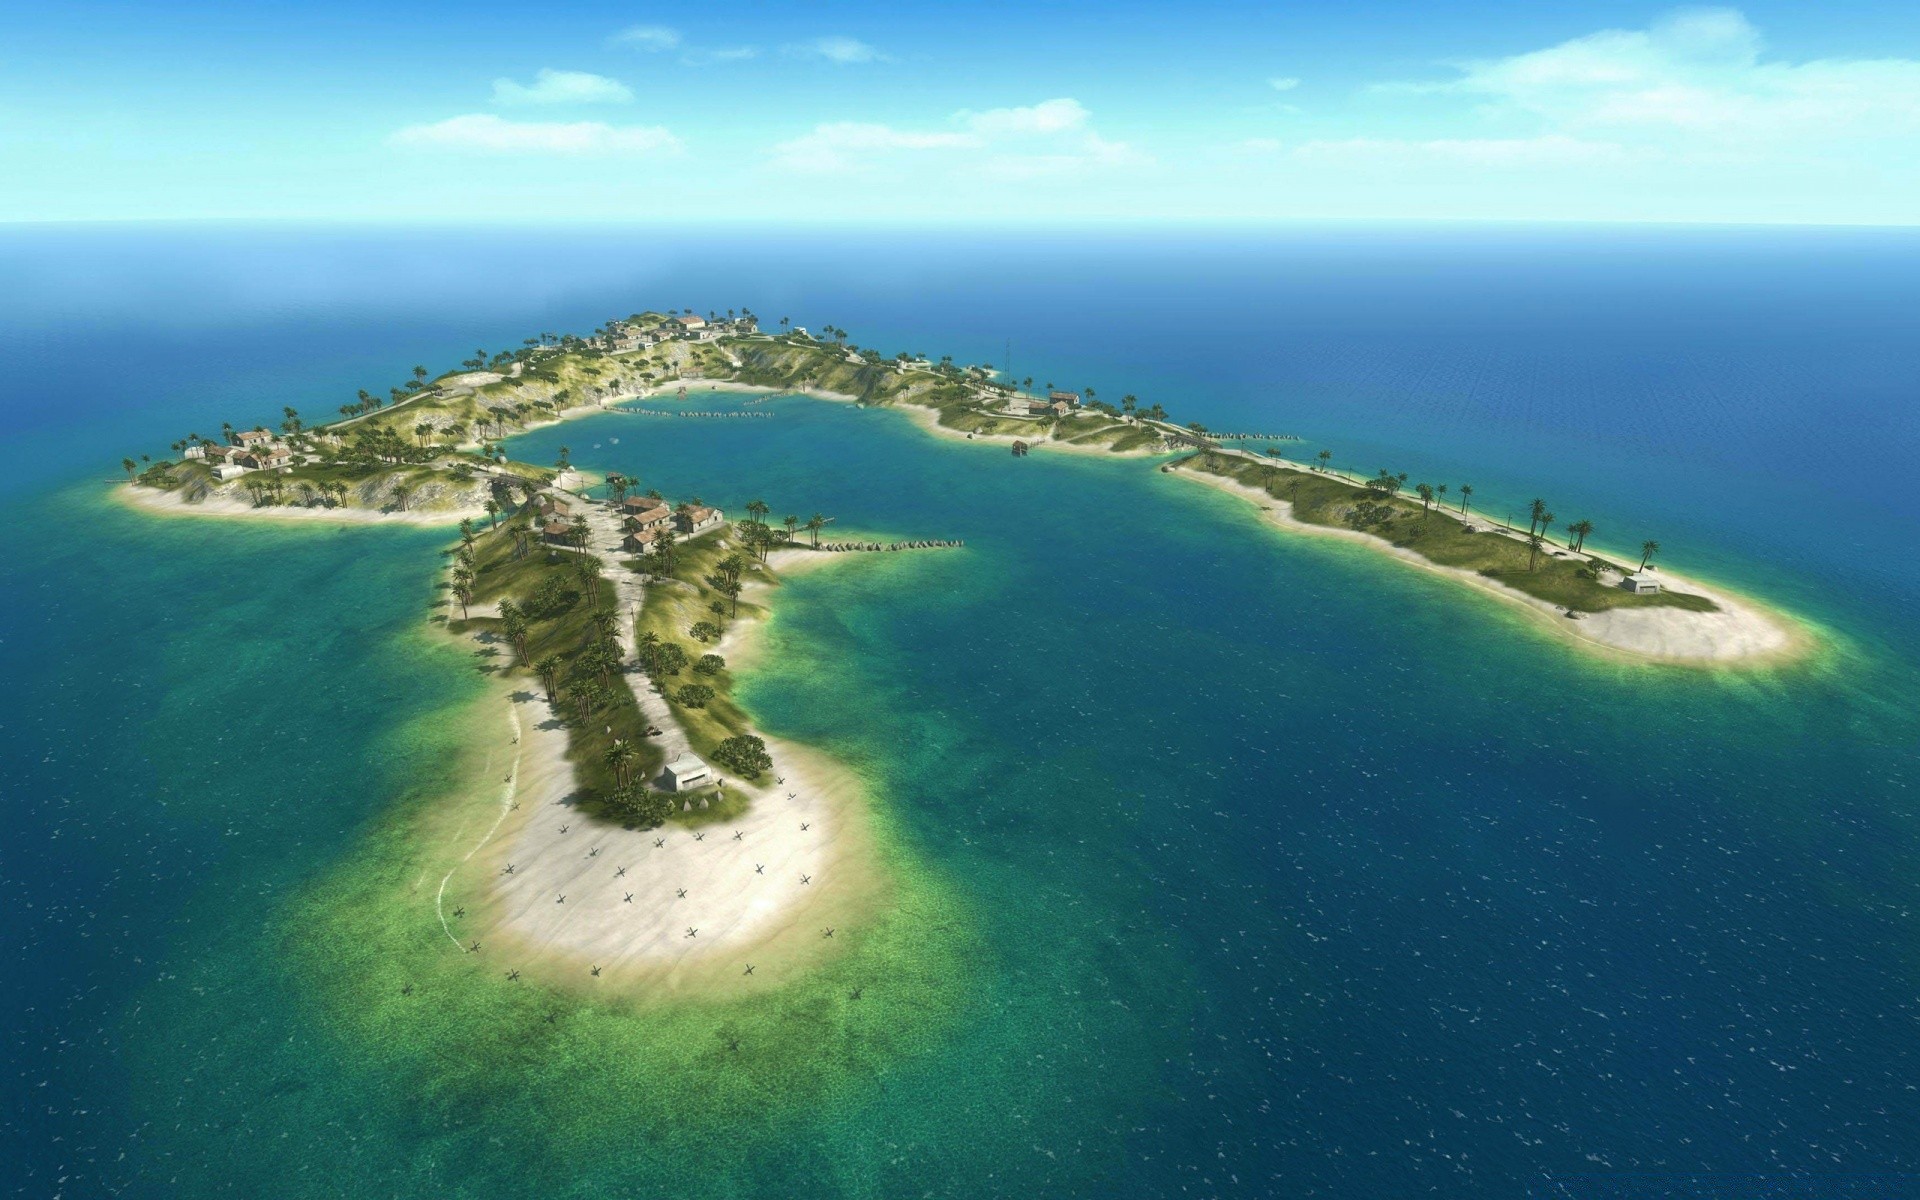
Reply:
x=556, y=625
x=1378, y=509
x=706, y=571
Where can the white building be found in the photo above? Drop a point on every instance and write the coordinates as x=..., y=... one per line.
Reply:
x=1641, y=583
x=687, y=772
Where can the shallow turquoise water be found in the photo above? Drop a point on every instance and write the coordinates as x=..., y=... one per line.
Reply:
x=1299, y=873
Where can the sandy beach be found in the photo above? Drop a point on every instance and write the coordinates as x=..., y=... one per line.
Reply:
x=154, y=500
x=564, y=893
x=1742, y=633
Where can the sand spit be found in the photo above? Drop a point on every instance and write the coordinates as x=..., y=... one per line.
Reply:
x=1742, y=633
x=155, y=500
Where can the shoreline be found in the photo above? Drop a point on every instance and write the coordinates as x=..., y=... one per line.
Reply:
x=166, y=503
x=803, y=861
x=1743, y=634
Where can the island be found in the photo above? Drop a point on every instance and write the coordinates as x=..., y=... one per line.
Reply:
x=642, y=829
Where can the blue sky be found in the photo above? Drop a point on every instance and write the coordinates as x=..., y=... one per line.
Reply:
x=984, y=113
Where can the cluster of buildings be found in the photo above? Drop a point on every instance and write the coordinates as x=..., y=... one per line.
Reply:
x=686, y=327
x=252, y=450
x=1058, y=403
x=643, y=517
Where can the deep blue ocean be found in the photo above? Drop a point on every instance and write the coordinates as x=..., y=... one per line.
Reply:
x=1298, y=873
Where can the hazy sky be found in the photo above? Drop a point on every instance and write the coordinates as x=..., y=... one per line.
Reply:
x=980, y=112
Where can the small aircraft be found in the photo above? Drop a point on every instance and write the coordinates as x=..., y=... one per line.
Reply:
x=622, y=871
x=474, y=949
x=749, y=970
x=659, y=842
x=805, y=825
x=629, y=899
x=513, y=976
x=460, y=912
x=826, y=933
x=733, y=1043
x=806, y=879
x=407, y=990
x=595, y=972
x=564, y=828
x=759, y=869
x=692, y=932
x=594, y=853
x=508, y=870
x=856, y=993
x=561, y=898
x=550, y=1018
x=699, y=837
x=738, y=835
x=680, y=892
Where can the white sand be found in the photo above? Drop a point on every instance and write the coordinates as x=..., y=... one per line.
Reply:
x=764, y=896
x=172, y=503
x=742, y=893
x=1740, y=633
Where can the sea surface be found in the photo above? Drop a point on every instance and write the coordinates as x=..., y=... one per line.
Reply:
x=1287, y=871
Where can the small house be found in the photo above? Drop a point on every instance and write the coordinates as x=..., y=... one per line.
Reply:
x=686, y=772
x=252, y=437
x=698, y=518
x=194, y=451
x=228, y=470
x=1068, y=398
x=640, y=541
x=557, y=533
x=1641, y=583
x=1020, y=406
x=654, y=515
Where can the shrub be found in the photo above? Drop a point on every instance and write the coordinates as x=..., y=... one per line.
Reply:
x=710, y=664
x=705, y=631
x=668, y=659
x=745, y=754
x=694, y=695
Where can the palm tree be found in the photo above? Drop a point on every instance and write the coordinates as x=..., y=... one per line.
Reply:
x=1579, y=529
x=791, y=522
x=730, y=588
x=401, y=494
x=1647, y=551
x=464, y=595
x=127, y=465
x=1426, y=497
x=493, y=514
x=757, y=509
x=1533, y=549
x=1537, y=506
x=648, y=644
x=1466, y=493
x=814, y=525
x=466, y=532
x=1326, y=459
x=1441, y=492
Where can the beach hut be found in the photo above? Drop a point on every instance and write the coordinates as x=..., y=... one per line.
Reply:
x=1641, y=583
x=686, y=772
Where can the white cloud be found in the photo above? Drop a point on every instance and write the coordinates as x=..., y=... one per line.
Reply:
x=488, y=134
x=1049, y=138
x=725, y=54
x=1283, y=83
x=648, y=37
x=562, y=87
x=1697, y=73
x=841, y=145
x=1050, y=116
x=1551, y=150
x=842, y=51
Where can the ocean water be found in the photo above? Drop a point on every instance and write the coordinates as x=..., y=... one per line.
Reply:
x=1276, y=869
